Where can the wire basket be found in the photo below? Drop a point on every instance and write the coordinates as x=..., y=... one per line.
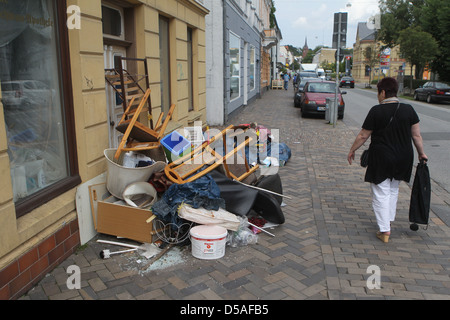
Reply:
x=171, y=233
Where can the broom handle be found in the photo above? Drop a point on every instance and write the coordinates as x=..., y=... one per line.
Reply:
x=119, y=244
x=261, y=189
x=261, y=229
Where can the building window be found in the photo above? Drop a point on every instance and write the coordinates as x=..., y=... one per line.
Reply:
x=164, y=56
x=235, y=68
x=367, y=71
x=252, y=67
x=112, y=20
x=190, y=63
x=37, y=101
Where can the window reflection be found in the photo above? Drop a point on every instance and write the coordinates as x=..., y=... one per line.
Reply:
x=235, y=53
x=31, y=96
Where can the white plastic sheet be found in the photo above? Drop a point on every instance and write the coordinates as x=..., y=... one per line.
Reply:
x=220, y=217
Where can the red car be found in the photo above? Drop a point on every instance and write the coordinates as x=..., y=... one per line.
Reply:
x=314, y=95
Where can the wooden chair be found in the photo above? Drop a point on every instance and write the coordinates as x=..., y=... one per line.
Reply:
x=204, y=159
x=137, y=136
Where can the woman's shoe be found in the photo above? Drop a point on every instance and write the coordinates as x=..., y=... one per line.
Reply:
x=383, y=236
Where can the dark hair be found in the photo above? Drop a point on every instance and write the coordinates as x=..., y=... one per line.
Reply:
x=389, y=85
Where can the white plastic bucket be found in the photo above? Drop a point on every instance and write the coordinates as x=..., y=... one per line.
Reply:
x=119, y=177
x=208, y=242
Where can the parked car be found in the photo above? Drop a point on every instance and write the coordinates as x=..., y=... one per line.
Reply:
x=314, y=95
x=433, y=91
x=347, y=82
x=301, y=86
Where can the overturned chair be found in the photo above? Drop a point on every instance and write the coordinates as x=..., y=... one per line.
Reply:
x=211, y=155
x=137, y=136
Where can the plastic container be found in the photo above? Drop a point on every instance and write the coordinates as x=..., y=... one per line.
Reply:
x=140, y=195
x=175, y=146
x=208, y=242
x=119, y=177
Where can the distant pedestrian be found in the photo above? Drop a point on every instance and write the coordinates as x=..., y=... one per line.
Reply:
x=286, y=81
x=392, y=126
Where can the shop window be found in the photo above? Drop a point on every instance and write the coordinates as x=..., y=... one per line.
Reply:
x=37, y=101
x=235, y=67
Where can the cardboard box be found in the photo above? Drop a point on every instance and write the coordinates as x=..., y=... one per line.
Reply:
x=113, y=216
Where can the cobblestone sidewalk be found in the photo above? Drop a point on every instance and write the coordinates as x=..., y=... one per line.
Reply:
x=325, y=250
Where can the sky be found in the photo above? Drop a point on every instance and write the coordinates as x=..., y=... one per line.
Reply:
x=313, y=19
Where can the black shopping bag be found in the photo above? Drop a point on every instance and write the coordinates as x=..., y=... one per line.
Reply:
x=419, y=208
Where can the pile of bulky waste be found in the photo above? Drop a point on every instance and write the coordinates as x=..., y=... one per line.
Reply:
x=209, y=190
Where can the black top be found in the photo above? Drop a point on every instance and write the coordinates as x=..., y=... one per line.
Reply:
x=391, y=153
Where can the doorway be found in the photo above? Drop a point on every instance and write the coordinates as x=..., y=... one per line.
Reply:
x=113, y=55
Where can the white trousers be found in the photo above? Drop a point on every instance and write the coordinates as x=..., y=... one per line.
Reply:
x=384, y=203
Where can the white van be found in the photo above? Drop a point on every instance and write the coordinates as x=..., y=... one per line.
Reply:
x=321, y=73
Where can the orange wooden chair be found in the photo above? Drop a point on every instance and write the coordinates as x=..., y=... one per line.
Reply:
x=137, y=136
x=205, y=158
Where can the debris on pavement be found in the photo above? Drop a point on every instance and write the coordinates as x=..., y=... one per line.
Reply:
x=226, y=200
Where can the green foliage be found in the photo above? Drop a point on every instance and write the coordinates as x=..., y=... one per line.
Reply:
x=272, y=15
x=435, y=20
x=309, y=57
x=432, y=16
x=295, y=51
x=395, y=16
x=418, y=47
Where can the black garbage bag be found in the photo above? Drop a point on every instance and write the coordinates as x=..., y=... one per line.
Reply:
x=241, y=199
x=271, y=183
x=419, y=208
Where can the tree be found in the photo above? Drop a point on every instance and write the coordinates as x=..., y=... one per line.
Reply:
x=397, y=15
x=272, y=15
x=435, y=20
x=418, y=47
x=371, y=58
x=295, y=51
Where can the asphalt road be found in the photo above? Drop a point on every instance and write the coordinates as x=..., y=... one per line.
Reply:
x=434, y=124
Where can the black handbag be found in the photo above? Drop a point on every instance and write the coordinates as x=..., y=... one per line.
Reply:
x=364, y=160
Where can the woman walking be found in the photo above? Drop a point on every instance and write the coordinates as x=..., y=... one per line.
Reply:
x=392, y=126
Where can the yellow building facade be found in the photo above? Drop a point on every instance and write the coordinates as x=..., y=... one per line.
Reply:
x=365, y=38
x=65, y=47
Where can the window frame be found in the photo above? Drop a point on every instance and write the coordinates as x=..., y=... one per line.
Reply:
x=122, y=22
x=190, y=62
x=165, y=90
x=43, y=196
